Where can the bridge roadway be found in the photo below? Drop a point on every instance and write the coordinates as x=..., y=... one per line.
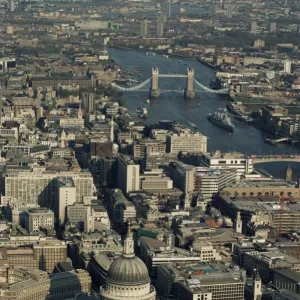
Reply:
x=257, y=159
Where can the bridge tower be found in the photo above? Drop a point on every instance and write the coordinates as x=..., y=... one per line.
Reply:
x=189, y=92
x=154, y=88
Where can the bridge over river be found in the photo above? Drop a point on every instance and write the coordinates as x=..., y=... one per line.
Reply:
x=257, y=159
x=152, y=85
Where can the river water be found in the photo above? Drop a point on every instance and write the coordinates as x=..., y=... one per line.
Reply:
x=246, y=138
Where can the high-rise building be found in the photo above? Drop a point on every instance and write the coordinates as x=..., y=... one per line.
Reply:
x=160, y=24
x=128, y=174
x=105, y=171
x=11, y=5
x=253, y=27
x=287, y=66
x=212, y=9
x=273, y=27
x=144, y=27
x=66, y=195
x=166, y=9
x=88, y=102
x=230, y=11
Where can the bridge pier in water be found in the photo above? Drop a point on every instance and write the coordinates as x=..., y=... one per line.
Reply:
x=190, y=92
x=154, y=93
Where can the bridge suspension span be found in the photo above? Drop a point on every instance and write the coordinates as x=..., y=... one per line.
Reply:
x=151, y=84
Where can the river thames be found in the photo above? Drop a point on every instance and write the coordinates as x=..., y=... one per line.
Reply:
x=172, y=106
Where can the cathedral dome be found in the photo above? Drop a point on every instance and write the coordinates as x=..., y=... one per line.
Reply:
x=128, y=271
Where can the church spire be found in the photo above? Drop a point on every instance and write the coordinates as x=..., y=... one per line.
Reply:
x=128, y=249
x=79, y=112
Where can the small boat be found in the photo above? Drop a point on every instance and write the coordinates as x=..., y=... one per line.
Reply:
x=148, y=101
x=180, y=61
x=198, y=104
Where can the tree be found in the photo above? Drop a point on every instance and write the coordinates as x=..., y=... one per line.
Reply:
x=123, y=102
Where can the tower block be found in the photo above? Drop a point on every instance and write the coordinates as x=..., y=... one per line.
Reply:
x=155, y=88
x=189, y=92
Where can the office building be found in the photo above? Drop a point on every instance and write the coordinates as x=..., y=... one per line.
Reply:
x=127, y=271
x=273, y=27
x=231, y=160
x=105, y=171
x=128, y=174
x=157, y=182
x=42, y=254
x=253, y=29
x=147, y=147
x=230, y=11
x=29, y=284
x=66, y=195
x=160, y=25
x=207, y=181
x=39, y=186
x=186, y=142
x=213, y=280
x=259, y=44
x=211, y=289
x=36, y=218
x=156, y=253
x=101, y=148
x=144, y=27
x=259, y=207
x=82, y=216
x=268, y=262
x=287, y=67
x=166, y=9
x=88, y=102
x=119, y=208
x=212, y=9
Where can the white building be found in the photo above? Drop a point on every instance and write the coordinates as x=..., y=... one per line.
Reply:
x=66, y=195
x=128, y=174
x=287, y=66
x=233, y=160
x=35, y=218
x=186, y=142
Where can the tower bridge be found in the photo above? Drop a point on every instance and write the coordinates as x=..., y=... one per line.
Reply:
x=152, y=85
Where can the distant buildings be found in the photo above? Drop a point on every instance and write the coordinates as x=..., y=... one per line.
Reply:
x=253, y=29
x=273, y=27
x=230, y=9
x=160, y=24
x=287, y=66
x=144, y=28
x=166, y=8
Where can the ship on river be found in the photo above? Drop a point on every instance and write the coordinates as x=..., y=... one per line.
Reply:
x=222, y=119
